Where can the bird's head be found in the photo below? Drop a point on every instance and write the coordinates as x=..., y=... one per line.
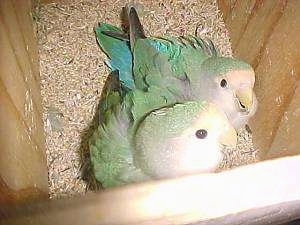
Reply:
x=183, y=139
x=231, y=85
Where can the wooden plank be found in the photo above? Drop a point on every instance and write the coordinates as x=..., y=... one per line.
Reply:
x=9, y=196
x=24, y=19
x=25, y=96
x=276, y=76
x=263, y=19
x=287, y=139
x=22, y=162
x=23, y=169
x=225, y=8
x=269, y=41
x=238, y=18
x=13, y=38
x=244, y=195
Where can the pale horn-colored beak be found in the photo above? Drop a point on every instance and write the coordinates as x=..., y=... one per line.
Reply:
x=245, y=97
x=229, y=138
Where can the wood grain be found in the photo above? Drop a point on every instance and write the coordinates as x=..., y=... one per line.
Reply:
x=24, y=20
x=286, y=141
x=244, y=195
x=277, y=73
x=238, y=19
x=268, y=37
x=225, y=7
x=13, y=38
x=22, y=148
x=22, y=162
x=17, y=73
x=253, y=37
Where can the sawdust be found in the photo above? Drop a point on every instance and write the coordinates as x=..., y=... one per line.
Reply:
x=73, y=73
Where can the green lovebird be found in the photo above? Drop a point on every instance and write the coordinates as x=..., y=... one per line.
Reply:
x=224, y=81
x=151, y=124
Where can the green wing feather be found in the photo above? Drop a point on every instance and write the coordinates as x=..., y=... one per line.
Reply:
x=118, y=52
x=111, y=146
x=162, y=71
x=186, y=54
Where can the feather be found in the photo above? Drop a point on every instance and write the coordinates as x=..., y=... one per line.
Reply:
x=136, y=30
x=118, y=52
x=152, y=73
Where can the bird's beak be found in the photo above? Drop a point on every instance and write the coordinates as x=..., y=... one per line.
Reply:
x=229, y=138
x=245, y=97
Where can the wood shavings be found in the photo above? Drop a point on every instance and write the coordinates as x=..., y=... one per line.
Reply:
x=73, y=73
x=243, y=154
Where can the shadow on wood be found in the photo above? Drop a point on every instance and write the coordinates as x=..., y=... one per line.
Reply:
x=266, y=34
x=23, y=168
x=260, y=193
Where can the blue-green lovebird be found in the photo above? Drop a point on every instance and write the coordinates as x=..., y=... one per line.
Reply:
x=151, y=126
x=224, y=81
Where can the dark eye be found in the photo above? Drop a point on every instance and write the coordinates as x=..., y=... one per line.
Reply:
x=201, y=134
x=223, y=83
x=241, y=104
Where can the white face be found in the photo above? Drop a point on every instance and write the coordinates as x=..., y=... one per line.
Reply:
x=197, y=149
x=235, y=96
x=191, y=155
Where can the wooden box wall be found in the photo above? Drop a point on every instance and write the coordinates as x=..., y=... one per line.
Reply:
x=264, y=33
x=23, y=170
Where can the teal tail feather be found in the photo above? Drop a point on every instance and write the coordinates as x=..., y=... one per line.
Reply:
x=118, y=52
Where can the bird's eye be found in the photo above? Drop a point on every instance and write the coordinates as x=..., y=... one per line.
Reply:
x=243, y=106
x=223, y=83
x=201, y=134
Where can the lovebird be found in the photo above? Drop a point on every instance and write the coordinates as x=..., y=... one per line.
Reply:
x=151, y=126
x=224, y=81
